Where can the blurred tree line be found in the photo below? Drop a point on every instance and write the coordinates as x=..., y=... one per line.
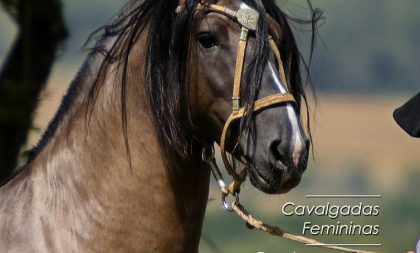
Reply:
x=363, y=47
x=25, y=71
x=367, y=46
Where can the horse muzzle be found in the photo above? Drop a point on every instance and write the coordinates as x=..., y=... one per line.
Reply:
x=274, y=180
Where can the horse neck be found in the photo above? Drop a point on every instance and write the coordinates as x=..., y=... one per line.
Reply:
x=88, y=174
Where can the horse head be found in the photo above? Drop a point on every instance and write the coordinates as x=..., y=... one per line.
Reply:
x=243, y=61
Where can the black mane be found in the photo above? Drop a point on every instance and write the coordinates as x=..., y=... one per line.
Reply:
x=168, y=44
x=169, y=37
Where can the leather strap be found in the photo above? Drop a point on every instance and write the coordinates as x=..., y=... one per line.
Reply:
x=259, y=105
x=279, y=61
x=221, y=9
x=240, y=56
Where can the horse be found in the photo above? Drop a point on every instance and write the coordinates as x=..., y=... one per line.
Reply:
x=120, y=168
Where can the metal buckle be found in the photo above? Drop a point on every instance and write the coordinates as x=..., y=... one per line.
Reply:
x=207, y=155
x=248, y=18
x=228, y=207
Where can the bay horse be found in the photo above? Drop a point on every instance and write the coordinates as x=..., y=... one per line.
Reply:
x=119, y=168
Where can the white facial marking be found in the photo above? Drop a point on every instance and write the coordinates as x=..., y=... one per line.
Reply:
x=293, y=119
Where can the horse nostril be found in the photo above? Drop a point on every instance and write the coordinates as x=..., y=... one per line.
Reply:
x=277, y=150
x=291, y=155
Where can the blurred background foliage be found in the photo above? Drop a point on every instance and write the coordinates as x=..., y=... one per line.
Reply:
x=364, y=46
x=370, y=46
x=367, y=62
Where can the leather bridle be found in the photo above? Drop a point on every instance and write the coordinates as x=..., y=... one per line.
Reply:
x=247, y=18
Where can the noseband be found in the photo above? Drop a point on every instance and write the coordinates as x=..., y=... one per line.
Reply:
x=247, y=18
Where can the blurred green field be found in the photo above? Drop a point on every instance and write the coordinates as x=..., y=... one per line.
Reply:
x=359, y=149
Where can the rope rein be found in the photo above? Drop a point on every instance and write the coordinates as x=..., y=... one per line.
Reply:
x=277, y=231
x=234, y=188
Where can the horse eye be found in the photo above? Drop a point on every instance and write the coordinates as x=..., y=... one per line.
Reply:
x=207, y=40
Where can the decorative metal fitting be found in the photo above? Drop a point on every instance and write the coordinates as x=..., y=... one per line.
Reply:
x=235, y=103
x=248, y=18
x=244, y=34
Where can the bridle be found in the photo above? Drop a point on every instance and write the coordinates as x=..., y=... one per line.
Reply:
x=247, y=18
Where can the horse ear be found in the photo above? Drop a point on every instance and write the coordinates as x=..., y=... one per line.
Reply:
x=408, y=116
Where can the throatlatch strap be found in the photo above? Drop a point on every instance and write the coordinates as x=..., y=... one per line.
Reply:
x=259, y=105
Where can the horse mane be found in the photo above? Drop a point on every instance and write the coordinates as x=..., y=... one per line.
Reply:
x=168, y=42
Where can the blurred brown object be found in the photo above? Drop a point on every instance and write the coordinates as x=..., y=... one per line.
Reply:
x=408, y=116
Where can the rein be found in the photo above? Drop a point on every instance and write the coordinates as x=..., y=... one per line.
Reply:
x=248, y=18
